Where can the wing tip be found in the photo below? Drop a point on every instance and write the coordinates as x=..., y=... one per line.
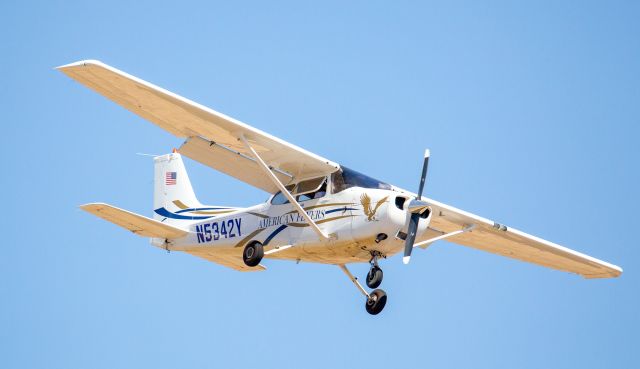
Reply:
x=613, y=271
x=81, y=63
x=617, y=271
x=91, y=205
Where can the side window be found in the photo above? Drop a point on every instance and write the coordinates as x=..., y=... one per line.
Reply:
x=305, y=197
x=321, y=192
x=309, y=185
x=279, y=199
x=313, y=195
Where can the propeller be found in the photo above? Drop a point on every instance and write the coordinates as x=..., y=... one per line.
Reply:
x=416, y=207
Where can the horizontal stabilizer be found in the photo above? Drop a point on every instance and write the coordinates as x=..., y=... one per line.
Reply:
x=138, y=224
x=229, y=258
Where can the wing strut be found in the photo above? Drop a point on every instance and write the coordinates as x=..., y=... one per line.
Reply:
x=446, y=235
x=282, y=189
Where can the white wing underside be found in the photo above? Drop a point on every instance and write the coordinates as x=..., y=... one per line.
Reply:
x=212, y=139
x=506, y=241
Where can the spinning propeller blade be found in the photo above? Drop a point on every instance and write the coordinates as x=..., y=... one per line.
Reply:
x=423, y=178
x=411, y=237
x=416, y=209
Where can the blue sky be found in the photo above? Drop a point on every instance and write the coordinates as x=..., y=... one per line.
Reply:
x=531, y=112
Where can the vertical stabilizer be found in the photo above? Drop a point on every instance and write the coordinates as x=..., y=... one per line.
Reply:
x=172, y=191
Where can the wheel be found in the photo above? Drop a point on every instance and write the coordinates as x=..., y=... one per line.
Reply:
x=253, y=253
x=376, y=302
x=374, y=277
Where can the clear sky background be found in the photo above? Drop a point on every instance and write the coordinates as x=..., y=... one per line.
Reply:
x=531, y=112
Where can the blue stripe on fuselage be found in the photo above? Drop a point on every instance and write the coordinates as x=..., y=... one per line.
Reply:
x=198, y=209
x=166, y=213
x=273, y=234
x=340, y=209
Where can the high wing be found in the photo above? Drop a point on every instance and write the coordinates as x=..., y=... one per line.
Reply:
x=506, y=241
x=212, y=137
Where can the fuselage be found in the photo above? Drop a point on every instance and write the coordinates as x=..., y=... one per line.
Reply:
x=353, y=218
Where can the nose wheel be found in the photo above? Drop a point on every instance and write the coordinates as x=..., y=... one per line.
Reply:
x=374, y=277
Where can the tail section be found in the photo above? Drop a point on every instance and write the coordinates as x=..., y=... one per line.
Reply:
x=172, y=190
x=174, y=201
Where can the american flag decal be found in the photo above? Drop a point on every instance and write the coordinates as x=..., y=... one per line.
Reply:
x=170, y=178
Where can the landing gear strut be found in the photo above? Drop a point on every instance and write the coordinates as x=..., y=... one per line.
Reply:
x=375, y=301
x=374, y=277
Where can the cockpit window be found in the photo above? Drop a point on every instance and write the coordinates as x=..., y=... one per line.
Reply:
x=347, y=178
x=306, y=190
x=310, y=185
x=313, y=195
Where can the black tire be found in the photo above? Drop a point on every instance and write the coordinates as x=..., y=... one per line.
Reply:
x=376, y=302
x=253, y=254
x=374, y=277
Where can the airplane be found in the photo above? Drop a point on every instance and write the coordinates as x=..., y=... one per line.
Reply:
x=318, y=211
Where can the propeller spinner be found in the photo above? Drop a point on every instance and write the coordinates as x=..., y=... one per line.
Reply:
x=416, y=207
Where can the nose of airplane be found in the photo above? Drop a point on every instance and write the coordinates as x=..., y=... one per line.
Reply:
x=417, y=206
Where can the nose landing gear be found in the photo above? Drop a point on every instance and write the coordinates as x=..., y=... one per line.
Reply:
x=374, y=277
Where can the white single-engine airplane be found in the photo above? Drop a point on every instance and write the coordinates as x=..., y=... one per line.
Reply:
x=319, y=211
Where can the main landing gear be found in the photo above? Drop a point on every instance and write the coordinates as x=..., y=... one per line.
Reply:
x=253, y=254
x=375, y=301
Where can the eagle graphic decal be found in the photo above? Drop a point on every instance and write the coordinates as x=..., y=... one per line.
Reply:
x=365, y=200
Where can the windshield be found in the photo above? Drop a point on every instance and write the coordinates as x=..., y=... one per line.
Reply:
x=347, y=178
